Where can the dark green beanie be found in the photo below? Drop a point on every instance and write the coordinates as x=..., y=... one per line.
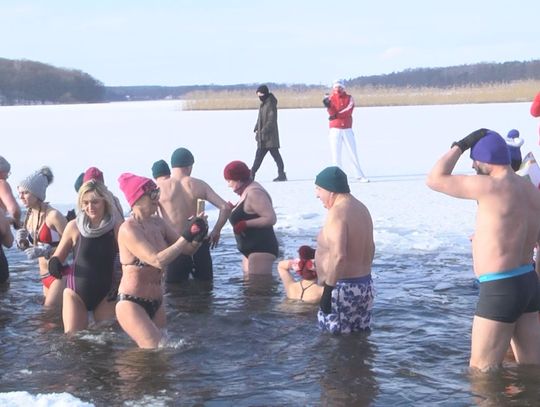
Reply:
x=160, y=168
x=79, y=182
x=333, y=179
x=182, y=157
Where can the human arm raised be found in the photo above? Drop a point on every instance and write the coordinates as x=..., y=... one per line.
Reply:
x=283, y=270
x=440, y=177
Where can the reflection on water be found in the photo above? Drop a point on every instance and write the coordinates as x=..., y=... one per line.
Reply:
x=239, y=342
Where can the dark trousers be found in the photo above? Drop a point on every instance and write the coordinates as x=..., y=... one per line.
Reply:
x=259, y=156
x=4, y=267
x=199, y=266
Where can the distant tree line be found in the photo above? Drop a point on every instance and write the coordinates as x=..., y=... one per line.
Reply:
x=29, y=82
x=462, y=75
x=474, y=74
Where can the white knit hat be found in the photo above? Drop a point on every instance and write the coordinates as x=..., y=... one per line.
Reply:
x=38, y=182
x=338, y=82
x=5, y=166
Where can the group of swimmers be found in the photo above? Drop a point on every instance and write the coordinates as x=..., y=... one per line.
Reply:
x=166, y=237
x=103, y=265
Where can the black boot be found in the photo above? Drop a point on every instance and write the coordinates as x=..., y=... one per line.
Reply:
x=281, y=177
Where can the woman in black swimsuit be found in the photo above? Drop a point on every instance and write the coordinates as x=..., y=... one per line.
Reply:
x=147, y=244
x=91, y=237
x=253, y=219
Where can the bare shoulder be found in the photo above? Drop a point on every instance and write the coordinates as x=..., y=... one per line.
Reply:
x=256, y=190
x=71, y=227
x=128, y=226
x=196, y=186
x=55, y=215
x=4, y=186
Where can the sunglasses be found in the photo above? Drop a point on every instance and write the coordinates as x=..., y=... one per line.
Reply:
x=153, y=194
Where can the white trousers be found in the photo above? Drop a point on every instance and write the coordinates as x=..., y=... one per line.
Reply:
x=338, y=137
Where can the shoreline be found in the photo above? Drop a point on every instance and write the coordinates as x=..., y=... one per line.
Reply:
x=369, y=96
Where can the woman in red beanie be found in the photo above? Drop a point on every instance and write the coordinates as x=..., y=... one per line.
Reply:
x=252, y=218
x=147, y=244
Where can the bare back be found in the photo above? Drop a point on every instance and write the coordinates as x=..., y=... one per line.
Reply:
x=345, y=246
x=178, y=199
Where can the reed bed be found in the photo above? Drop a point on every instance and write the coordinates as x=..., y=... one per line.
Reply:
x=291, y=98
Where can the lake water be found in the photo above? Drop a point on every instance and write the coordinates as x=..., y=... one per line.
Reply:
x=239, y=342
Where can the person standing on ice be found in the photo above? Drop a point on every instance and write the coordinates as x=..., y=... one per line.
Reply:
x=340, y=106
x=535, y=108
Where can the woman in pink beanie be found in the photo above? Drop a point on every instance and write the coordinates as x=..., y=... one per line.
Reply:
x=253, y=219
x=147, y=244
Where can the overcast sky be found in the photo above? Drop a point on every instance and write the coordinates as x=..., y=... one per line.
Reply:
x=181, y=42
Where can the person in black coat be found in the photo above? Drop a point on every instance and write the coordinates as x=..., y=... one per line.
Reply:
x=267, y=134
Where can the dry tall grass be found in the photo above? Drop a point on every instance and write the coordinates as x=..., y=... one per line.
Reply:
x=517, y=91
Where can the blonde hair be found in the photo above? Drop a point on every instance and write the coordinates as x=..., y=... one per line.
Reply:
x=101, y=190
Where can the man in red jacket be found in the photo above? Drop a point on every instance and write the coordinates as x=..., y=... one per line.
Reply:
x=340, y=106
x=535, y=108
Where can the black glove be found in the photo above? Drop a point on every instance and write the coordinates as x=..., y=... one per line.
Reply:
x=334, y=116
x=196, y=229
x=56, y=268
x=326, y=101
x=467, y=142
x=326, y=299
x=70, y=215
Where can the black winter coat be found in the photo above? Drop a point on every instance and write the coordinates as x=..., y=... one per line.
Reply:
x=266, y=128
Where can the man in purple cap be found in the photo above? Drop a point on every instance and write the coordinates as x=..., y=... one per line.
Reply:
x=506, y=233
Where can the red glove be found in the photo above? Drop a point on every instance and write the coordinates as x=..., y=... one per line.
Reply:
x=239, y=227
x=306, y=253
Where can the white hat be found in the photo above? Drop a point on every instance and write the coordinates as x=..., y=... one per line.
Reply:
x=38, y=182
x=338, y=83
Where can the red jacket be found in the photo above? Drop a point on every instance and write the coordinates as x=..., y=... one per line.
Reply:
x=341, y=107
x=535, y=107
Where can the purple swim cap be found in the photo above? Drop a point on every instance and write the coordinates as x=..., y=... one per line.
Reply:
x=491, y=149
x=513, y=134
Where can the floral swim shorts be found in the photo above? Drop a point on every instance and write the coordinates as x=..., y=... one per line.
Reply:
x=352, y=302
